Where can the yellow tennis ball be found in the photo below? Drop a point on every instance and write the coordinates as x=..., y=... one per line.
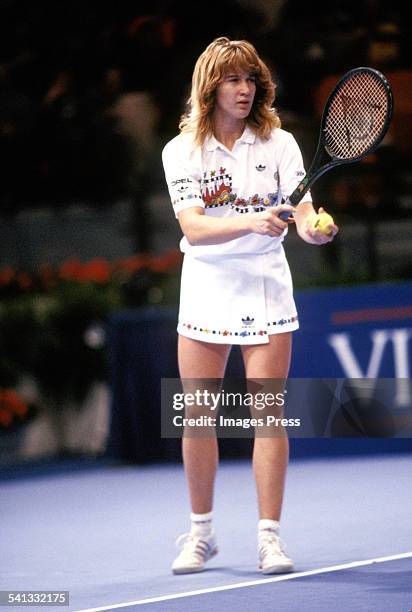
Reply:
x=323, y=222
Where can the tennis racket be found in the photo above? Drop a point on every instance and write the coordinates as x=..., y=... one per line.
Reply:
x=355, y=119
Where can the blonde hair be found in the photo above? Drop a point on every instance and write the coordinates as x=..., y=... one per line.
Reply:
x=221, y=56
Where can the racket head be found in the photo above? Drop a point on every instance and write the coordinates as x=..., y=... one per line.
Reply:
x=357, y=115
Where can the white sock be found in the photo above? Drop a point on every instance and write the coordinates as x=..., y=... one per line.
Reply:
x=266, y=525
x=201, y=523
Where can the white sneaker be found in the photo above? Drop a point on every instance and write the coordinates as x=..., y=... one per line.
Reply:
x=272, y=557
x=195, y=551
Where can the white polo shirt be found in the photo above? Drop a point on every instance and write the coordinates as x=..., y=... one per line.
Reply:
x=253, y=176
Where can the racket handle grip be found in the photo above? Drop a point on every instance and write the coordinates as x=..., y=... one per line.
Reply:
x=295, y=198
x=286, y=214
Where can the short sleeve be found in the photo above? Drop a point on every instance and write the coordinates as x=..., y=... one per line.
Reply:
x=290, y=167
x=182, y=175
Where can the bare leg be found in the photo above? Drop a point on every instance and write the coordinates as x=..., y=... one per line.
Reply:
x=199, y=360
x=270, y=454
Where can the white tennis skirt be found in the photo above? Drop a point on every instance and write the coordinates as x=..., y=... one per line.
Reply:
x=236, y=299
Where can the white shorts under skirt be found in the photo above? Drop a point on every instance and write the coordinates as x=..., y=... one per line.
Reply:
x=236, y=299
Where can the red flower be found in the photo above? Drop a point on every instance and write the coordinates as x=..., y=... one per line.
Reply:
x=96, y=270
x=166, y=262
x=11, y=405
x=71, y=270
x=133, y=264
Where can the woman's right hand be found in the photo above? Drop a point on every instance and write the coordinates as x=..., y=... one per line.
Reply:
x=268, y=222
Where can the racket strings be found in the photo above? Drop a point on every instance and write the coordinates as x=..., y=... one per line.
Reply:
x=356, y=116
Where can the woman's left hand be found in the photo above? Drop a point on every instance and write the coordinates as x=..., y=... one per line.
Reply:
x=317, y=228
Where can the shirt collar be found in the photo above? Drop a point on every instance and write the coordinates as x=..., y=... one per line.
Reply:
x=248, y=137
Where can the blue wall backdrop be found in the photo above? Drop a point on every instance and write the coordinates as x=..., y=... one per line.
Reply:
x=354, y=332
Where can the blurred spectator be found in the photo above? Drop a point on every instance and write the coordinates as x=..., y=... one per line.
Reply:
x=137, y=117
x=82, y=153
x=384, y=48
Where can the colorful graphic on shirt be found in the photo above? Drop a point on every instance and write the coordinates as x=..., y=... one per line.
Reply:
x=255, y=203
x=216, y=188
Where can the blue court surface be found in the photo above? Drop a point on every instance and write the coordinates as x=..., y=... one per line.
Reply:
x=107, y=533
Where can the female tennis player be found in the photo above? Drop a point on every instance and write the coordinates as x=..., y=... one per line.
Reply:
x=228, y=172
